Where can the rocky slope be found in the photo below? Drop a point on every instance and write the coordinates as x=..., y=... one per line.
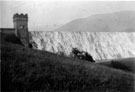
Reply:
x=122, y=21
x=101, y=45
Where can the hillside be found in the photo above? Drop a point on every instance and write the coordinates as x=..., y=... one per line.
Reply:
x=122, y=21
x=101, y=45
x=127, y=64
x=25, y=69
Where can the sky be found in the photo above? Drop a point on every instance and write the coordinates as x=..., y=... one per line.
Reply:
x=50, y=13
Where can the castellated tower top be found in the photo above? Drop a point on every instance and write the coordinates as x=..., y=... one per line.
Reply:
x=20, y=17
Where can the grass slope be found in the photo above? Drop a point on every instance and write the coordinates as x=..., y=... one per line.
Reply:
x=126, y=64
x=25, y=69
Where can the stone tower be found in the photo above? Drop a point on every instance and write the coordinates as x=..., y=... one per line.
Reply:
x=21, y=28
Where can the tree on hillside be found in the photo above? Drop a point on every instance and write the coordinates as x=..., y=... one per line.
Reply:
x=81, y=55
x=75, y=52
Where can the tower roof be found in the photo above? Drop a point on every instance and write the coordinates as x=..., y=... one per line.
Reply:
x=20, y=15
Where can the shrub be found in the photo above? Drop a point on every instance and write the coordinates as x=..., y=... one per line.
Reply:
x=81, y=55
x=33, y=44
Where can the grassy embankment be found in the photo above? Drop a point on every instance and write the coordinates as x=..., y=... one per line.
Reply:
x=25, y=69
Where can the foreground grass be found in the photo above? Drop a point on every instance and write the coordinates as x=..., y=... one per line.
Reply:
x=25, y=69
